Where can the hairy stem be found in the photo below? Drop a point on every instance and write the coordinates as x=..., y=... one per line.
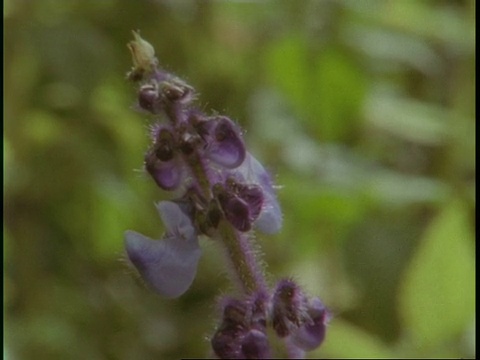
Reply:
x=242, y=258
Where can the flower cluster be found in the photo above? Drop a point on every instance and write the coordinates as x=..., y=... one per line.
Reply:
x=221, y=192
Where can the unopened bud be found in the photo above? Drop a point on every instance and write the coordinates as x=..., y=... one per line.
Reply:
x=143, y=56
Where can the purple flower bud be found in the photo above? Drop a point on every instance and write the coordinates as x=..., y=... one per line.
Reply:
x=255, y=345
x=209, y=219
x=164, y=143
x=143, y=56
x=234, y=312
x=148, y=98
x=227, y=342
x=289, y=308
x=176, y=90
x=240, y=336
x=169, y=265
x=311, y=335
x=259, y=310
x=224, y=142
x=189, y=140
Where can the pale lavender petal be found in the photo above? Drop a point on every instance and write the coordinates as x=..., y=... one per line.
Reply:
x=271, y=219
x=168, y=266
x=177, y=223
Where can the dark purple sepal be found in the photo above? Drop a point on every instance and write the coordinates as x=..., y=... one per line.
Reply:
x=253, y=196
x=236, y=211
x=240, y=203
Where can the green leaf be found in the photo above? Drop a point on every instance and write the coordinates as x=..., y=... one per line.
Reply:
x=337, y=93
x=408, y=119
x=437, y=298
x=286, y=65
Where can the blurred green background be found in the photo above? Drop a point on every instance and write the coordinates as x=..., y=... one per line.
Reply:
x=364, y=111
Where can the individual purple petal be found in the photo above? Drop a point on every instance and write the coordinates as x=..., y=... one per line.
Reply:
x=311, y=335
x=168, y=266
x=270, y=219
x=225, y=145
x=167, y=174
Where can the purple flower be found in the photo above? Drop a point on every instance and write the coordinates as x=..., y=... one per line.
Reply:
x=289, y=307
x=311, y=335
x=240, y=203
x=161, y=160
x=225, y=145
x=303, y=322
x=169, y=265
x=223, y=193
x=255, y=345
x=252, y=172
x=241, y=334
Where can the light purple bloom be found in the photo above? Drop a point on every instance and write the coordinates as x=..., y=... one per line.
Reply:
x=222, y=192
x=169, y=265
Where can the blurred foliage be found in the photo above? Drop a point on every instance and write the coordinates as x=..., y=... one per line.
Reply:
x=363, y=109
